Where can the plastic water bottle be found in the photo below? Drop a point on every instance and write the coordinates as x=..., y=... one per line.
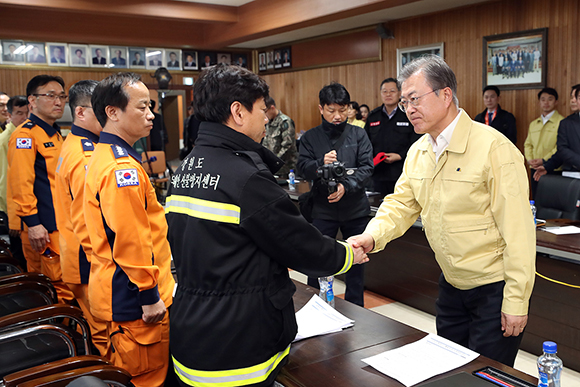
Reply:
x=533, y=205
x=326, y=292
x=549, y=366
x=292, y=178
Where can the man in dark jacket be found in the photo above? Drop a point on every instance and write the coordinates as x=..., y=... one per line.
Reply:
x=233, y=233
x=392, y=135
x=495, y=116
x=347, y=208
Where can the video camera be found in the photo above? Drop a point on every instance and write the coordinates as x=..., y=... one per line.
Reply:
x=332, y=174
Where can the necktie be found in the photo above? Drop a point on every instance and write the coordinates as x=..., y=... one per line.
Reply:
x=490, y=114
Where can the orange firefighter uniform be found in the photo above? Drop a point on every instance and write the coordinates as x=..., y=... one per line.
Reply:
x=130, y=261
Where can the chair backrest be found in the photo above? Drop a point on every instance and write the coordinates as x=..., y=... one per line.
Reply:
x=558, y=197
x=156, y=163
x=110, y=374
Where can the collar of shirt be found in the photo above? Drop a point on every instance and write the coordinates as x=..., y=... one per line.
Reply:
x=444, y=137
x=491, y=111
x=81, y=132
x=546, y=118
x=50, y=130
x=392, y=113
x=109, y=138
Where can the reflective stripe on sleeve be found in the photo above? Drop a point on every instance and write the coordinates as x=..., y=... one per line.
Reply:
x=203, y=209
x=348, y=259
x=229, y=378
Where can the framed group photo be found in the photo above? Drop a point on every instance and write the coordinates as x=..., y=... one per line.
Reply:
x=405, y=55
x=516, y=60
x=57, y=54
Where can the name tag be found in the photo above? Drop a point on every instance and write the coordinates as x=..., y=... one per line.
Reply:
x=377, y=123
x=402, y=124
x=48, y=144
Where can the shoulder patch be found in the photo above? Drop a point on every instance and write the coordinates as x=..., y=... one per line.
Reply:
x=87, y=145
x=28, y=125
x=126, y=177
x=119, y=151
x=23, y=143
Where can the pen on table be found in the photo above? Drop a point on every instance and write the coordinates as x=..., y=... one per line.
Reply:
x=494, y=380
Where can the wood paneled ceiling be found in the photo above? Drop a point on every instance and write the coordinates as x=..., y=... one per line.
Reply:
x=207, y=25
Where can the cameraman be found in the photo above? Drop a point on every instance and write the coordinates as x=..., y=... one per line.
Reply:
x=347, y=208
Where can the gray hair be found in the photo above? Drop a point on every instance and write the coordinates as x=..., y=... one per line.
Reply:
x=437, y=73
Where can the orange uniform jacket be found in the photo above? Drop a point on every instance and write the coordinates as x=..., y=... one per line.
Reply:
x=33, y=152
x=70, y=184
x=130, y=262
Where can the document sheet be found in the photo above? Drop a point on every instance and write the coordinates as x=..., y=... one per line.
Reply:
x=563, y=230
x=421, y=360
x=318, y=318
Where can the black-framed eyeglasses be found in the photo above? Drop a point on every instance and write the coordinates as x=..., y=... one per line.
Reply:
x=53, y=97
x=414, y=101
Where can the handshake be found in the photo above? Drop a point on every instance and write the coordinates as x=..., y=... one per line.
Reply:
x=361, y=245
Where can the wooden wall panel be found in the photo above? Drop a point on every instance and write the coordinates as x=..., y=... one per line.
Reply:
x=462, y=31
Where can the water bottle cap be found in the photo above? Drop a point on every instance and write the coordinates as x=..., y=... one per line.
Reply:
x=550, y=347
x=291, y=170
x=532, y=202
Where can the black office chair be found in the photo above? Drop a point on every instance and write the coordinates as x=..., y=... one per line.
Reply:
x=558, y=197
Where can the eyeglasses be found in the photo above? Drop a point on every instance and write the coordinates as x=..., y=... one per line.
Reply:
x=414, y=101
x=52, y=97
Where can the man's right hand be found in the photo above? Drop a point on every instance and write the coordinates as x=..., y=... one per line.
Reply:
x=540, y=171
x=330, y=157
x=38, y=237
x=154, y=313
x=365, y=241
x=359, y=255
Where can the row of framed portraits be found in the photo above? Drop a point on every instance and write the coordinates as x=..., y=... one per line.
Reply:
x=18, y=52
x=275, y=59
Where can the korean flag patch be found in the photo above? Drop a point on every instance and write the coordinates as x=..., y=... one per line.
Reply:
x=126, y=177
x=23, y=143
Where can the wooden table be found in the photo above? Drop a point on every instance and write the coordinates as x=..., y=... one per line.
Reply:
x=335, y=359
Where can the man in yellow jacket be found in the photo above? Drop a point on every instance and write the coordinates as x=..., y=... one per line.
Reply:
x=469, y=184
x=540, y=144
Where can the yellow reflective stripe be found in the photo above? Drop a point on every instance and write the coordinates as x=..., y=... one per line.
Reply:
x=229, y=378
x=203, y=209
x=348, y=260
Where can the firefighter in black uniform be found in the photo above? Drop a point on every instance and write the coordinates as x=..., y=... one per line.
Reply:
x=392, y=135
x=233, y=233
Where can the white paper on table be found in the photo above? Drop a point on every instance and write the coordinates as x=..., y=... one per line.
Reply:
x=421, y=360
x=563, y=230
x=318, y=318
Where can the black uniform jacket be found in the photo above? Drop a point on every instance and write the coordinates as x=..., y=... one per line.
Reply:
x=504, y=121
x=355, y=152
x=395, y=135
x=234, y=232
x=568, y=144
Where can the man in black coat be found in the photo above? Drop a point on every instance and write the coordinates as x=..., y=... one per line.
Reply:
x=392, y=135
x=347, y=208
x=495, y=116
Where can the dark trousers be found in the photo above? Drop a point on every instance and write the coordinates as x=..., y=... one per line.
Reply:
x=355, y=276
x=385, y=187
x=472, y=318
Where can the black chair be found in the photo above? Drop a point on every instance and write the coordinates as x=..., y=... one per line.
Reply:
x=22, y=295
x=558, y=197
x=9, y=265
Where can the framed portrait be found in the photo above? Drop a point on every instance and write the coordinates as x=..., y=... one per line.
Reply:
x=137, y=57
x=118, y=56
x=239, y=59
x=189, y=60
x=78, y=55
x=154, y=58
x=207, y=59
x=286, y=58
x=99, y=56
x=262, y=61
x=517, y=60
x=224, y=58
x=12, y=51
x=405, y=55
x=173, y=59
x=57, y=54
x=269, y=60
x=36, y=55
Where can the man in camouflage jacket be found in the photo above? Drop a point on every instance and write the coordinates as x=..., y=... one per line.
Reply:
x=280, y=137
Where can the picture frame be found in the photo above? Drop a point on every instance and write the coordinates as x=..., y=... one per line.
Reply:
x=239, y=59
x=154, y=58
x=262, y=61
x=78, y=55
x=99, y=55
x=287, y=57
x=57, y=54
x=173, y=59
x=37, y=55
x=269, y=60
x=224, y=57
x=189, y=59
x=207, y=59
x=277, y=59
x=136, y=57
x=119, y=57
x=516, y=60
x=12, y=52
x=405, y=55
